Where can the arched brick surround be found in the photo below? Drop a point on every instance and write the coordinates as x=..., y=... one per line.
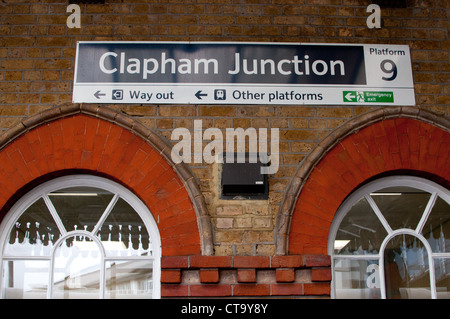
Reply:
x=384, y=141
x=101, y=141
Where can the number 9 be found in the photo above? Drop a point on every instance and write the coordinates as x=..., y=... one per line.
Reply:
x=392, y=69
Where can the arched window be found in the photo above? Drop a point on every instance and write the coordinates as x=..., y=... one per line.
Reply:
x=391, y=239
x=79, y=237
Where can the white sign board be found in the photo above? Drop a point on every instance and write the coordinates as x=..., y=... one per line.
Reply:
x=242, y=73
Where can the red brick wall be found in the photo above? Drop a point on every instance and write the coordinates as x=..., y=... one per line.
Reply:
x=88, y=144
x=391, y=145
x=42, y=148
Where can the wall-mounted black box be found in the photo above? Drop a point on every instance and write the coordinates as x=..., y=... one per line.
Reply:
x=243, y=180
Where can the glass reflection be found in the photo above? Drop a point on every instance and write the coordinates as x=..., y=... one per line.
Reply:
x=25, y=279
x=80, y=208
x=129, y=279
x=360, y=232
x=79, y=258
x=406, y=265
x=77, y=269
x=442, y=273
x=401, y=206
x=406, y=269
x=357, y=279
x=34, y=233
x=123, y=234
x=437, y=227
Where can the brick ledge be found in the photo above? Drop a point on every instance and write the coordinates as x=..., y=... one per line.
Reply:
x=246, y=276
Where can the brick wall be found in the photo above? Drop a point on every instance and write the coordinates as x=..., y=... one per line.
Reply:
x=91, y=144
x=37, y=52
x=393, y=144
x=244, y=276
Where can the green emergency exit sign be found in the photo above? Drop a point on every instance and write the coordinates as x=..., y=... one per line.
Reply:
x=368, y=96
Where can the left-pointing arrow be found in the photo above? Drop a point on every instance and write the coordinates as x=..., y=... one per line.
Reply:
x=98, y=94
x=349, y=96
x=199, y=94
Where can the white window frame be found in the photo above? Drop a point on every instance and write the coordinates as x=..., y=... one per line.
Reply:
x=392, y=181
x=118, y=190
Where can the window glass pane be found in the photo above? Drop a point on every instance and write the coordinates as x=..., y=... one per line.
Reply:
x=34, y=233
x=402, y=207
x=79, y=263
x=356, y=279
x=123, y=233
x=129, y=279
x=437, y=227
x=77, y=269
x=80, y=208
x=27, y=279
x=442, y=273
x=360, y=232
x=406, y=269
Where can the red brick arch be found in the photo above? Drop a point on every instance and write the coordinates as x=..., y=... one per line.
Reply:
x=101, y=141
x=385, y=141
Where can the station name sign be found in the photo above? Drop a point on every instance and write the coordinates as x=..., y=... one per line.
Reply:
x=242, y=73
